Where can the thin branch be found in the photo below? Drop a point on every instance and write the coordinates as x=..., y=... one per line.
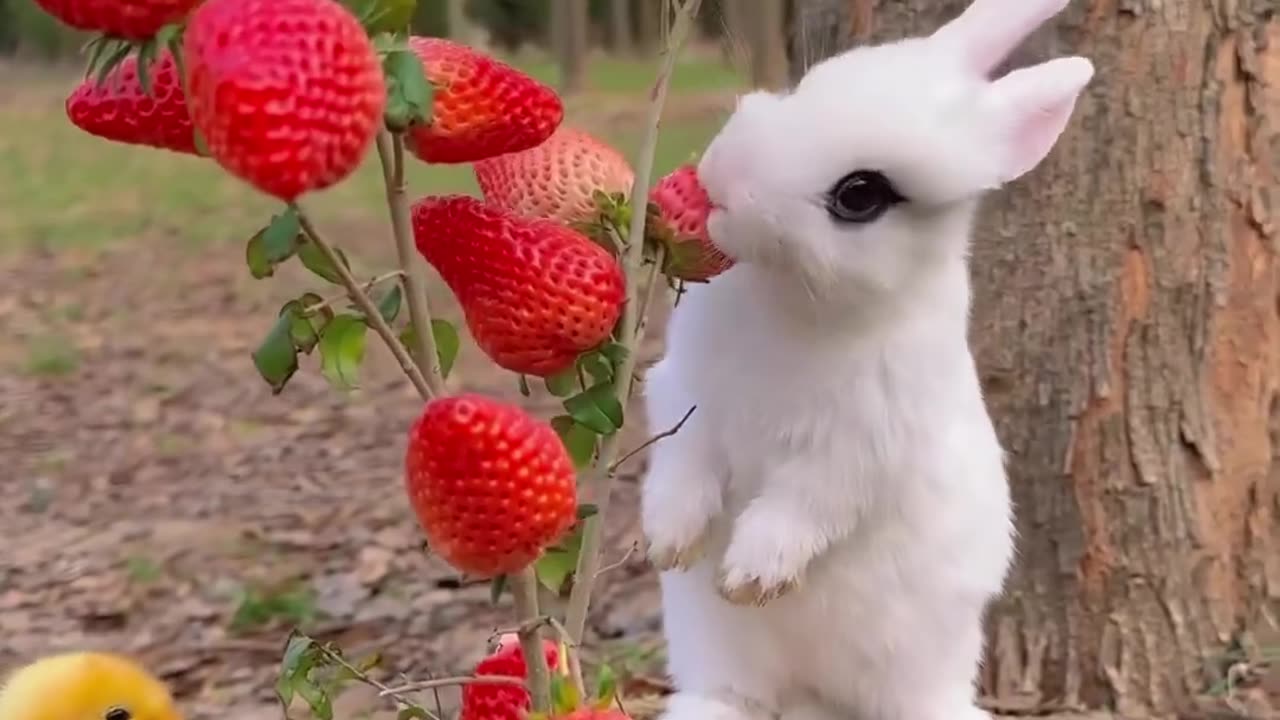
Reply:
x=597, y=487
x=614, y=566
x=524, y=589
x=437, y=683
x=362, y=301
x=391, y=153
x=329, y=301
x=364, y=677
x=613, y=469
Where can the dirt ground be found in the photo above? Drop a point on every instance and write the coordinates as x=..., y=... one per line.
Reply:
x=159, y=501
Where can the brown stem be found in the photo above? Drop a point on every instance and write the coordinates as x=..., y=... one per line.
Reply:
x=362, y=301
x=598, y=484
x=435, y=683
x=391, y=153
x=524, y=589
x=613, y=469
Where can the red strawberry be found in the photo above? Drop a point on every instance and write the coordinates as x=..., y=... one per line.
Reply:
x=535, y=294
x=288, y=94
x=481, y=108
x=555, y=180
x=681, y=223
x=128, y=19
x=119, y=109
x=491, y=485
x=482, y=701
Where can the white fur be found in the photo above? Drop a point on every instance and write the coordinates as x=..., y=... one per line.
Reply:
x=841, y=457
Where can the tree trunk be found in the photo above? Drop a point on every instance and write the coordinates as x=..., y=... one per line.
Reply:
x=459, y=29
x=766, y=20
x=569, y=22
x=647, y=15
x=620, y=26
x=1127, y=328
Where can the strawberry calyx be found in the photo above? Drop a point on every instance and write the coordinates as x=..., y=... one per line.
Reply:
x=610, y=217
x=106, y=52
x=566, y=699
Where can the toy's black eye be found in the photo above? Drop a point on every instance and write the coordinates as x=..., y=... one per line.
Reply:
x=861, y=197
x=117, y=713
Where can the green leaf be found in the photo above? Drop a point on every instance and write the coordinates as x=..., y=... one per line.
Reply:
x=342, y=351
x=606, y=683
x=586, y=510
x=563, y=383
x=596, y=408
x=389, y=305
x=496, y=587
x=281, y=237
x=314, y=259
x=302, y=329
x=255, y=256
x=202, y=146
x=447, y=343
x=413, y=712
x=616, y=352
x=146, y=56
x=409, y=93
x=564, y=696
x=276, y=358
x=578, y=439
x=299, y=657
x=558, y=562
x=317, y=699
x=597, y=366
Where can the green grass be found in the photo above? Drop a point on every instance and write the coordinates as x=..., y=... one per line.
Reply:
x=62, y=188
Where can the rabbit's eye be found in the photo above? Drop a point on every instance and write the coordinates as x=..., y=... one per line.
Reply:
x=118, y=713
x=861, y=197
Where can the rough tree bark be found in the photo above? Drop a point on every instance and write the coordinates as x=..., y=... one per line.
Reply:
x=1127, y=327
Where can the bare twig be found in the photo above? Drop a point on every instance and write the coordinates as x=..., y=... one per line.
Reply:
x=436, y=683
x=524, y=588
x=613, y=469
x=362, y=301
x=597, y=486
x=362, y=676
x=329, y=301
x=391, y=153
x=614, y=566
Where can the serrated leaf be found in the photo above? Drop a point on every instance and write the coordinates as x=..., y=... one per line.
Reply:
x=597, y=409
x=496, y=587
x=281, y=236
x=389, y=304
x=562, y=383
x=579, y=440
x=314, y=259
x=342, y=349
x=276, y=357
x=409, y=93
x=606, y=683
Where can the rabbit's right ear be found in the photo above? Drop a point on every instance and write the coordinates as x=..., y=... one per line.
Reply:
x=1029, y=109
x=989, y=30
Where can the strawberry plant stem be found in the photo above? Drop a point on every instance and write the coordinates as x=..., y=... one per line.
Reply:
x=391, y=153
x=362, y=301
x=524, y=589
x=598, y=484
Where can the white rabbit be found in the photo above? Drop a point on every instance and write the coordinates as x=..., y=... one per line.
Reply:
x=834, y=518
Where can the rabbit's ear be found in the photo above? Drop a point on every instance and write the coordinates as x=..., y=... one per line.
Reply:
x=1030, y=109
x=989, y=30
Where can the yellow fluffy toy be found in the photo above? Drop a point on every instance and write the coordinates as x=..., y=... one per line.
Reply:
x=85, y=686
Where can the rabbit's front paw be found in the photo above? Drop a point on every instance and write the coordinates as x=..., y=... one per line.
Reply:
x=764, y=561
x=675, y=532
